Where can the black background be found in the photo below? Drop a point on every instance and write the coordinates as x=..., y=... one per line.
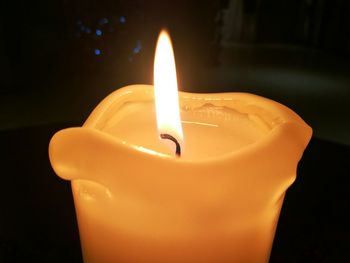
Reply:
x=295, y=52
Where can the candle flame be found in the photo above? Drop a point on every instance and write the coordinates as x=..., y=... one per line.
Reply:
x=165, y=89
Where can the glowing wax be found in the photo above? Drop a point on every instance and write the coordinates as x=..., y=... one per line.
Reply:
x=220, y=202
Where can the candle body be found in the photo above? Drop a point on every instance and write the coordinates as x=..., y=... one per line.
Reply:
x=220, y=202
x=147, y=233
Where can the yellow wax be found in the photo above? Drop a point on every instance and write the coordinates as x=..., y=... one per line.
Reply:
x=209, y=131
x=219, y=202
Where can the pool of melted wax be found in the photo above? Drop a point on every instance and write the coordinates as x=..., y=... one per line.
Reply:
x=209, y=130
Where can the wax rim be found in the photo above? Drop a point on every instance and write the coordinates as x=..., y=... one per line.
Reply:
x=281, y=117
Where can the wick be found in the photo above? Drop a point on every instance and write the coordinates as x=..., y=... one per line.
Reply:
x=171, y=138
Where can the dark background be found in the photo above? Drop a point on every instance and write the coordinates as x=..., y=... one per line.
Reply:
x=59, y=58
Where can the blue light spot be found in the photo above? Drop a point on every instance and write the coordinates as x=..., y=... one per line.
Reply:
x=103, y=21
x=87, y=30
x=122, y=19
x=138, y=47
x=98, y=32
x=97, y=52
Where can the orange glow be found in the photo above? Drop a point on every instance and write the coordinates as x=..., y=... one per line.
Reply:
x=165, y=89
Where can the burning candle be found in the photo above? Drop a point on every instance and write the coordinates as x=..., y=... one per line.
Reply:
x=150, y=186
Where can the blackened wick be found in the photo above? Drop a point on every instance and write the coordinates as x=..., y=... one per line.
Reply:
x=171, y=138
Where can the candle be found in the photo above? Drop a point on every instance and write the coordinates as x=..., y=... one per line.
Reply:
x=210, y=193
